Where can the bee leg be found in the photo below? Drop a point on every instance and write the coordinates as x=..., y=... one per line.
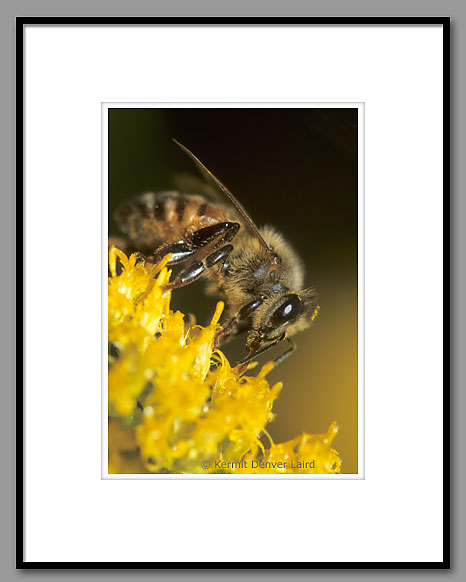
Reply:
x=226, y=332
x=253, y=353
x=223, y=231
x=195, y=270
x=195, y=243
x=180, y=251
x=186, y=276
x=243, y=364
x=198, y=240
x=232, y=327
x=185, y=249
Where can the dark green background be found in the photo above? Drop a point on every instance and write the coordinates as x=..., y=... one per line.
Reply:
x=295, y=169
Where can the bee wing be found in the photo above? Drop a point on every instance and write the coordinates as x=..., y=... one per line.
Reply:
x=236, y=203
x=190, y=184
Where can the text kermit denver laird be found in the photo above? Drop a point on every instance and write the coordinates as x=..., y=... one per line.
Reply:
x=283, y=465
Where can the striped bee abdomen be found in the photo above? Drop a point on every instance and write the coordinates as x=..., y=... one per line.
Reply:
x=155, y=218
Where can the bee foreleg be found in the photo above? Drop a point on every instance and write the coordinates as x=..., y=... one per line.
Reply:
x=257, y=352
x=232, y=327
x=195, y=270
x=244, y=362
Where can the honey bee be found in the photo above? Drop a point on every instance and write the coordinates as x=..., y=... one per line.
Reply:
x=255, y=270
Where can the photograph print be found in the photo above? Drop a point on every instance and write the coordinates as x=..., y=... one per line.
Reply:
x=233, y=267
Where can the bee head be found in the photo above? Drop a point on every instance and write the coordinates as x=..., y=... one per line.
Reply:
x=290, y=312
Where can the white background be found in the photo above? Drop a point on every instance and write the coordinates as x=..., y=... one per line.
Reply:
x=395, y=514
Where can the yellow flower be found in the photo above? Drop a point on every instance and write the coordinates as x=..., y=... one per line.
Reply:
x=175, y=404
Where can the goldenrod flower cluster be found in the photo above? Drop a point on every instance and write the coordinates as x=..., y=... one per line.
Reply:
x=175, y=404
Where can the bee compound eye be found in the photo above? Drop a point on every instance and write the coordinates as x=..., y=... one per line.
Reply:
x=287, y=311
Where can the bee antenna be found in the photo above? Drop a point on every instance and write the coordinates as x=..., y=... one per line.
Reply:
x=236, y=203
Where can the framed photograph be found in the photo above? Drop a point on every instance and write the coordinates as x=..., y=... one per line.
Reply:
x=219, y=423
x=236, y=286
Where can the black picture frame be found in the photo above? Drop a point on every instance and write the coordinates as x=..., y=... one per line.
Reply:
x=21, y=22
